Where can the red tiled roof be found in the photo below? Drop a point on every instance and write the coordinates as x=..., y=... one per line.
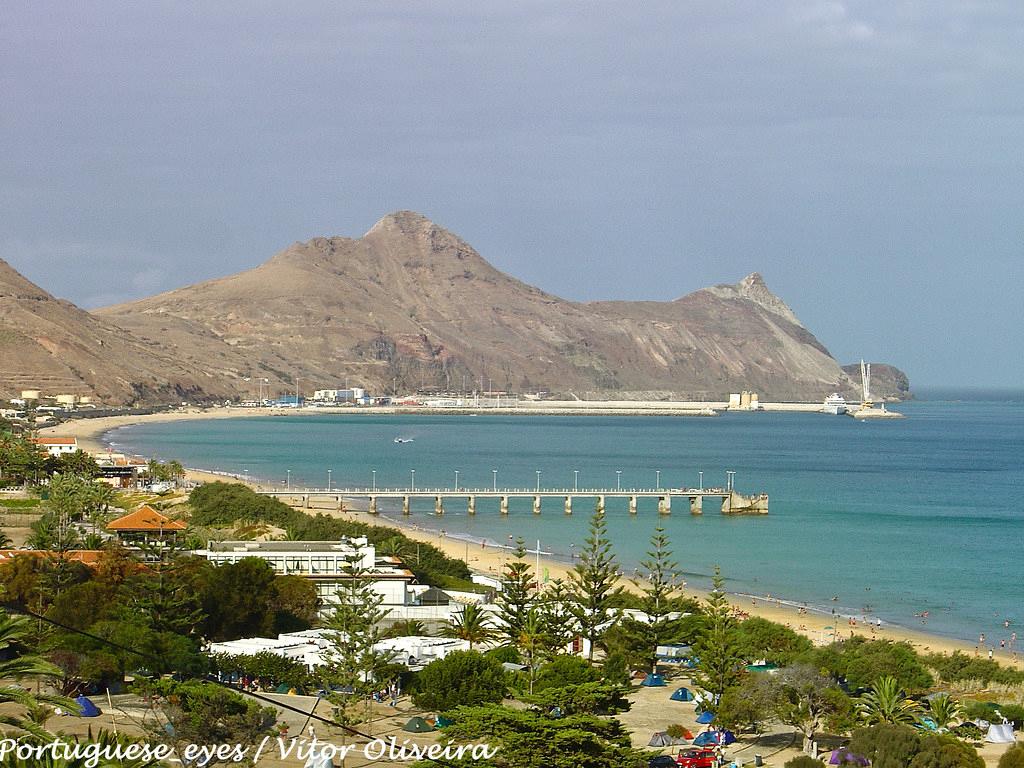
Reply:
x=145, y=518
x=85, y=556
x=55, y=440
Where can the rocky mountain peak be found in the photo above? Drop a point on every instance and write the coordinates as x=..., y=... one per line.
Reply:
x=753, y=288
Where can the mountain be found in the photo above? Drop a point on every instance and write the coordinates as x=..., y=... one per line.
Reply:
x=410, y=305
x=52, y=345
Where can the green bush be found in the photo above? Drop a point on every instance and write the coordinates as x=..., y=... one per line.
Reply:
x=944, y=751
x=802, y=761
x=958, y=667
x=464, y=678
x=584, y=699
x=899, y=746
x=565, y=670
x=1013, y=757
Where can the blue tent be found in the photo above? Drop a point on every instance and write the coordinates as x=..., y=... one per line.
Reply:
x=714, y=737
x=681, y=694
x=705, y=717
x=653, y=680
x=86, y=708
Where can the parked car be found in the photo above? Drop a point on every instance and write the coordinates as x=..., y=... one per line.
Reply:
x=697, y=758
x=662, y=761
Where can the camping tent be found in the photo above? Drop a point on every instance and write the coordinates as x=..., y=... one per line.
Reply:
x=662, y=739
x=86, y=708
x=444, y=722
x=1000, y=733
x=714, y=737
x=681, y=694
x=417, y=725
x=653, y=680
x=843, y=756
x=705, y=717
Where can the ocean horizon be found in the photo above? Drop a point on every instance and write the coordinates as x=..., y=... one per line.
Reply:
x=886, y=520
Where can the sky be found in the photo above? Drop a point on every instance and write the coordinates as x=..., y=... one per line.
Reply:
x=867, y=158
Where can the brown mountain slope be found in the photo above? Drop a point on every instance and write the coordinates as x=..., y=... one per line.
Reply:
x=52, y=345
x=411, y=305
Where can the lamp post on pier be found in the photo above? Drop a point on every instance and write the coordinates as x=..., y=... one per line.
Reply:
x=374, y=480
x=657, y=474
x=538, y=481
x=700, y=480
x=618, y=479
x=328, y=481
x=413, y=475
x=456, y=479
x=575, y=480
x=494, y=480
x=730, y=478
x=288, y=481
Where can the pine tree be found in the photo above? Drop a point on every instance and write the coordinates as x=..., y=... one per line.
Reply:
x=555, y=607
x=720, y=664
x=355, y=628
x=594, y=582
x=661, y=576
x=516, y=597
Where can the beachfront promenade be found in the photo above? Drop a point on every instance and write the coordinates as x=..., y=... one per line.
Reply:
x=728, y=500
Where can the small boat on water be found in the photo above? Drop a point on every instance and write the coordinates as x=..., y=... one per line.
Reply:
x=835, y=404
x=403, y=439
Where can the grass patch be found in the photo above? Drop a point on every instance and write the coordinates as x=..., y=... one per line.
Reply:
x=19, y=503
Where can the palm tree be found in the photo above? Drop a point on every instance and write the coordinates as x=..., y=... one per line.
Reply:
x=943, y=710
x=395, y=546
x=886, y=703
x=14, y=632
x=407, y=628
x=5, y=540
x=472, y=625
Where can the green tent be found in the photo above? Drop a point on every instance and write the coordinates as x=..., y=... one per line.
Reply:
x=417, y=725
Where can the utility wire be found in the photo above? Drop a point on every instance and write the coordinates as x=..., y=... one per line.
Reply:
x=257, y=696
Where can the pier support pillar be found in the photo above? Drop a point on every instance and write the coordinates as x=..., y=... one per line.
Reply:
x=568, y=505
x=438, y=505
x=599, y=507
x=471, y=505
x=665, y=505
x=503, y=504
x=405, y=505
x=536, y=505
x=305, y=500
x=696, y=505
x=632, y=505
x=373, y=505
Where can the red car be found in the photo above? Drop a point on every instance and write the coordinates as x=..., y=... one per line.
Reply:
x=697, y=758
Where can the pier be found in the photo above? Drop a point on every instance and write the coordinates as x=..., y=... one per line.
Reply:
x=727, y=500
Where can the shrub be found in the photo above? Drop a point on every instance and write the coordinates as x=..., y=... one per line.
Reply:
x=463, y=678
x=1013, y=757
x=802, y=761
x=584, y=699
x=563, y=671
x=943, y=751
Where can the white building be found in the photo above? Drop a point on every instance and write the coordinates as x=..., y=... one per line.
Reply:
x=326, y=564
x=314, y=647
x=350, y=395
x=57, y=446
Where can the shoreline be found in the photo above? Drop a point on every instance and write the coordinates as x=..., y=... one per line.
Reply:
x=489, y=557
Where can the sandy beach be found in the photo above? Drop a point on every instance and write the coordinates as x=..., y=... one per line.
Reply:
x=820, y=628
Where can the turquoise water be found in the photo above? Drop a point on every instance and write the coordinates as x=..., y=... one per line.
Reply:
x=893, y=518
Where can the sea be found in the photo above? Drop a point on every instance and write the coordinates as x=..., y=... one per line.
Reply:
x=916, y=522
